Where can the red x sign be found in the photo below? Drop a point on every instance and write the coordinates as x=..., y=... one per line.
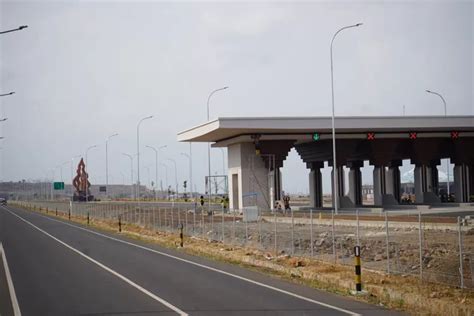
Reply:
x=370, y=136
x=412, y=135
x=454, y=135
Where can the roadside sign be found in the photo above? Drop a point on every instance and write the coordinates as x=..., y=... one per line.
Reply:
x=103, y=188
x=58, y=185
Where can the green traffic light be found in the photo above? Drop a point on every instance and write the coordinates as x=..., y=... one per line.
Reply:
x=316, y=136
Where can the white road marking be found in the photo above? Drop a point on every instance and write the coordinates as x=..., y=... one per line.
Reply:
x=11, y=288
x=211, y=268
x=138, y=287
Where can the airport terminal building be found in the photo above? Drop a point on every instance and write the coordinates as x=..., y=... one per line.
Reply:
x=257, y=148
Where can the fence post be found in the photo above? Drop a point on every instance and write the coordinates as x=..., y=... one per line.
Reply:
x=153, y=209
x=292, y=233
x=387, y=243
x=420, y=240
x=172, y=218
x=181, y=236
x=159, y=217
x=212, y=224
x=311, y=231
x=88, y=220
x=120, y=223
x=203, y=222
x=246, y=229
x=233, y=227
x=223, y=223
x=179, y=217
x=259, y=225
x=333, y=237
x=186, y=220
x=461, y=272
x=275, y=232
x=194, y=218
x=56, y=211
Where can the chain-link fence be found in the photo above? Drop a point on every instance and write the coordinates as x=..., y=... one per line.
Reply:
x=436, y=249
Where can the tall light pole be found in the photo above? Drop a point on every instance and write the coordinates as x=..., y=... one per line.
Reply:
x=334, y=179
x=61, y=169
x=138, y=155
x=7, y=94
x=166, y=177
x=52, y=181
x=445, y=114
x=131, y=173
x=86, y=168
x=107, y=163
x=190, y=173
x=156, y=167
x=444, y=101
x=209, y=149
x=148, y=173
x=13, y=30
x=175, y=175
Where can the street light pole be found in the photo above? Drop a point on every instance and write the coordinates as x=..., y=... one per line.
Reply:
x=61, y=166
x=445, y=114
x=209, y=150
x=156, y=168
x=131, y=173
x=86, y=168
x=190, y=173
x=175, y=175
x=107, y=164
x=334, y=192
x=166, y=177
x=13, y=30
x=138, y=155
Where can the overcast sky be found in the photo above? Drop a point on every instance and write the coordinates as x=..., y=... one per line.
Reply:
x=84, y=70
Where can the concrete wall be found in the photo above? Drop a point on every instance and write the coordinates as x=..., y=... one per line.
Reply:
x=253, y=178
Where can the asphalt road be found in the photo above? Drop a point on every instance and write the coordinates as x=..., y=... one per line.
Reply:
x=59, y=268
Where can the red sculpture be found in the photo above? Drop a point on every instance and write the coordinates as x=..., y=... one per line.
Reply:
x=82, y=184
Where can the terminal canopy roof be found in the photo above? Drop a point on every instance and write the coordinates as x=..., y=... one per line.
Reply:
x=225, y=131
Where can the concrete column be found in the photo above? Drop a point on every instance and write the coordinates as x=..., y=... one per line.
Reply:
x=250, y=183
x=379, y=184
x=316, y=185
x=340, y=185
x=462, y=182
x=425, y=178
x=277, y=184
x=355, y=182
x=420, y=183
x=434, y=180
x=392, y=178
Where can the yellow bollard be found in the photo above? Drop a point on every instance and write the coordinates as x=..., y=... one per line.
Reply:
x=358, y=269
